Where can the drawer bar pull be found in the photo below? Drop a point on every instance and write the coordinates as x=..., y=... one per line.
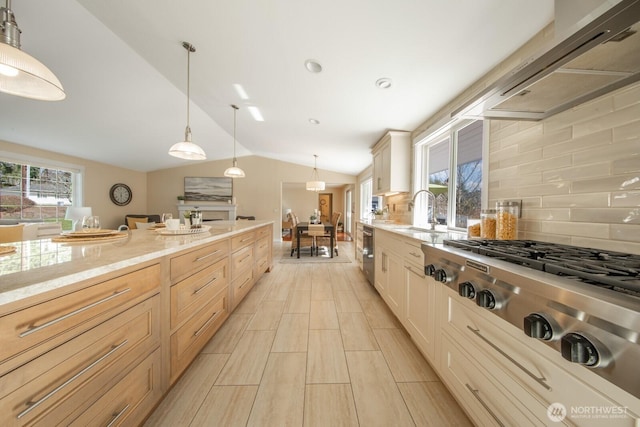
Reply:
x=244, y=283
x=73, y=313
x=243, y=259
x=117, y=415
x=422, y=276
x=197, y=291
x=33, y=405
x=415, y=254
x=476, y=394
x=245, y=240
x=200, y=258
x=203, y=327
x=539, y=380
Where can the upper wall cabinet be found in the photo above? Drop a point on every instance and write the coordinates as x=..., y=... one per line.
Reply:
x=391, y=163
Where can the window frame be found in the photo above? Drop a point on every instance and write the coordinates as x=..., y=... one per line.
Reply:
x=448, y=130
x=77, y=172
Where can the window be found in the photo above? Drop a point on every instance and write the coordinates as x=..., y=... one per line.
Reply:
x=366, y=196
x=458, y=195
x=30, y=190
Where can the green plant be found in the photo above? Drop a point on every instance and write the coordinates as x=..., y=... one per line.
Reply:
x=186, y=214
x=180, y=197
x=378, y=212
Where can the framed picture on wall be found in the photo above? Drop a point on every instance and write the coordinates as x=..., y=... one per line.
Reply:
x=208, y=189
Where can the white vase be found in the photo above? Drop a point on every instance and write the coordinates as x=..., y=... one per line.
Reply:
x=187, y=222
x=181, y=202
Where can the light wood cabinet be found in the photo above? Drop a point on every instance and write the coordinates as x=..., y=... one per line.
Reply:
x=263, y=250
x=392, y=163
x=199, y=302
x=72, y=376
x=359, y=245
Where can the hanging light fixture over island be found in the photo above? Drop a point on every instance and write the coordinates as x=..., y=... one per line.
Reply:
x=234, y=171
x=20, y=73
x=186, y=149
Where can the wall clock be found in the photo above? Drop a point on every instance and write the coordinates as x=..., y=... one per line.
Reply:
x=120, y=194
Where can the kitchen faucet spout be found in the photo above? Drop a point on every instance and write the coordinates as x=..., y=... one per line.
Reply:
x=432, y=221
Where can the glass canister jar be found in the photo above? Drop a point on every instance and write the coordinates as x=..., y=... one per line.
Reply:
x=488, y=224
x=507, y=213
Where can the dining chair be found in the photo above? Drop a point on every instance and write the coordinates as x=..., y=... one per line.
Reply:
x=315, y=231
x=11, y=233
x=325, y=239
x=305, y=239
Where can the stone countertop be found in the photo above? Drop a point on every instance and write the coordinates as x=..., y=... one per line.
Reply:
x=421, y=235
x=42, y=265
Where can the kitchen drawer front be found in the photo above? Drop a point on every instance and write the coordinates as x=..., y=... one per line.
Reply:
x=412, y=252
x=263, y=232
x=527, y=373
x=129, y=401
x=486, y=402
x=241, y=261
x=241, y=285
x=190, y=294
x=191, y=337
x=28, y=333
x=261, y=266
x=187, y=264
x=242, y=240
x=262, y=247
x=66, y=378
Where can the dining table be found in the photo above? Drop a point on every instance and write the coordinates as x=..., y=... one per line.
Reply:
x=303, y=227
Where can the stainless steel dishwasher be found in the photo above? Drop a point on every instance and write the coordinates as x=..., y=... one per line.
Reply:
x=367, y=252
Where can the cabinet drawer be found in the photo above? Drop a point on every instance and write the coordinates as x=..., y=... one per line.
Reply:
x=263, y=232
x=129, y=401
x=262, y=247
x=241, y=286
x=486, y=402
x=241, y=261
x=68, y=377
x=242, y=240
x=28, y=333
x=527, y=373
x=261, y=266
x=191, y=337
x=192, y=293
x=190, y=262
x=412, y=252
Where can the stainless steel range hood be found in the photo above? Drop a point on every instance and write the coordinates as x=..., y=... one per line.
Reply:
x=597, y=56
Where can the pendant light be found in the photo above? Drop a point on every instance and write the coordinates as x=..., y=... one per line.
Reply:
x=187, y=149
x=315, y=184
x=234, y=171
x=20, y=73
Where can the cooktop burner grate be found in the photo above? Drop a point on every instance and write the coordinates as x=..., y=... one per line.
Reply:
x=613, y=270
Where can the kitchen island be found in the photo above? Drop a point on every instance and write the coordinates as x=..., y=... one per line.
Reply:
x=95, y=333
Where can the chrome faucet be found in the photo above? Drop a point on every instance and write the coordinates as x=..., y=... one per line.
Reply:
x=433, y=221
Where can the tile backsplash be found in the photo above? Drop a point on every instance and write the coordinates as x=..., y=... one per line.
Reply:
x=577, y=173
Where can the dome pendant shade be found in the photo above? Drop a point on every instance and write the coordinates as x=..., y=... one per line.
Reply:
x=20, y=73
x=234, y=171
x=315, y=184
x=186, y=149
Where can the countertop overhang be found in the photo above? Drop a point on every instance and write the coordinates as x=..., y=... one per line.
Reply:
x=38, y=266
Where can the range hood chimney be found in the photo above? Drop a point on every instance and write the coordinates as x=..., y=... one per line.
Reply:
x=595, y=50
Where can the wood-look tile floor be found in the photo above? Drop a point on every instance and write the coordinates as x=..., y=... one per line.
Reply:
x=310, y=345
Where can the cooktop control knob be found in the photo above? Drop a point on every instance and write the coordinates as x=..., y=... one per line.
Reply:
x=536, y=326
x=486, y=299
x=467, y=290
x=430, y=270
x=577, y=348
x=440, y=275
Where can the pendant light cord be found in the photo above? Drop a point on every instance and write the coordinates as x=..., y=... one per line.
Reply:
x=190, y=49
x=235, y=110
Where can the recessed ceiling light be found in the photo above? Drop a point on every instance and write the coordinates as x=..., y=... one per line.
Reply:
x=383, y=83
x=312, y=66
x=257, y=115
x=314, y=121
x=240, y=91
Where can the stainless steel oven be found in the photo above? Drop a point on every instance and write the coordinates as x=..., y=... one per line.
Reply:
x=367, y=252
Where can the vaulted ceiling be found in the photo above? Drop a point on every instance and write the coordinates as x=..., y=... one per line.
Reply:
x=124, y=70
